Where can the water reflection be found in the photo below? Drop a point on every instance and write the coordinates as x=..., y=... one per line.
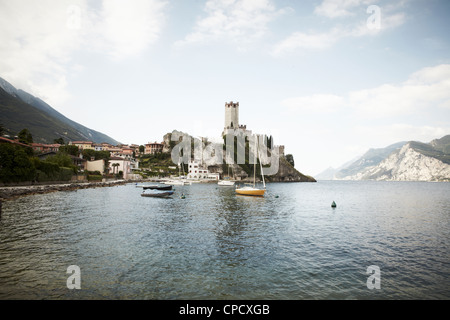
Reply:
x=214, y=244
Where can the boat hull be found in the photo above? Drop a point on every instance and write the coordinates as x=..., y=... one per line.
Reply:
x=226, y=183
x=169, y=187
x=158, y=195
x=251, y=192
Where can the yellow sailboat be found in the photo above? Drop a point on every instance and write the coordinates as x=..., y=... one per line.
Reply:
x=253, y=190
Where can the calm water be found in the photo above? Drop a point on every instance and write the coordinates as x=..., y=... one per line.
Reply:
x=216, y=245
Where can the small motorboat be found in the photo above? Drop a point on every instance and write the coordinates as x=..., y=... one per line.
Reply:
x=166, y=187
x=157, y=194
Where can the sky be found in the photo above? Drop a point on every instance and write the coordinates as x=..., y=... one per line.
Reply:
x=328, y=79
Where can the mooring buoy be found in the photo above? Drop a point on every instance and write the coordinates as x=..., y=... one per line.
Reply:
x=333, y=205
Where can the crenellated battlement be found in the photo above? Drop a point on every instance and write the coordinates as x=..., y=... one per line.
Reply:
x=231, y=115
x=231, y=104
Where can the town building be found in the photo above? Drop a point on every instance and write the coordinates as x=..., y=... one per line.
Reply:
x=117, y=164
x=82, y=145
x=152, y=148
x=197, y=172
x=16, y=142
x=98, y=147
x=42, y=147
x=96, y=165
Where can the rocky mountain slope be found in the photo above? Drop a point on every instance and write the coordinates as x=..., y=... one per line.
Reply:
x=411, y=161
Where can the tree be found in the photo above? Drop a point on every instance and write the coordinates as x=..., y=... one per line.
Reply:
x=97, y=155
x=69, y=149
x=61, y=159
x=88, y=154
x=141, y=149
x=59, y=141
x=15, y=164
x=290, y=159
x=114, y=166
x=25, y=136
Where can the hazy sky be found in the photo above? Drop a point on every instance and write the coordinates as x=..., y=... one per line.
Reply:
x=328, y=79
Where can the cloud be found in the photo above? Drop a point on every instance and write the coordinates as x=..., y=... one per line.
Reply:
x=36, y=44
x=127, y=30
x=380, y=112
x=373, y=20
x=337, y=127
x=40, y=38
x=383, y=135
x=307, y=41
x=339, y=8
x=233, y=20
x=425, y=90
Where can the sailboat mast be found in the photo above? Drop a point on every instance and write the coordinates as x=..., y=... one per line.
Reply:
x=262, y=173
x=254, y=163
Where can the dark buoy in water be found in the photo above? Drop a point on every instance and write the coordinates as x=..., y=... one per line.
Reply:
x=333, y=205
x=276, y=196
x=182, y=196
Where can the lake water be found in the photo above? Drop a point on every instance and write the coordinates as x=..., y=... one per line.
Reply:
x=216, y=245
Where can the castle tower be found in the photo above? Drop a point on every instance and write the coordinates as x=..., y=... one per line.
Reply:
x=231, y=115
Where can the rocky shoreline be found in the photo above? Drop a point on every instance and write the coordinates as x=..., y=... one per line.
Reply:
x=12, y=192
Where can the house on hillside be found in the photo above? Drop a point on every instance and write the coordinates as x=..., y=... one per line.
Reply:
x=42, y=147
x=96, y=165
x=152, y=148
x=82, y=145
x=79, y=162
x=117, y=164
x=16, y=142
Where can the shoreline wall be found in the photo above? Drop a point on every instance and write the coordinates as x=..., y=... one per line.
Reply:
x=11, y=192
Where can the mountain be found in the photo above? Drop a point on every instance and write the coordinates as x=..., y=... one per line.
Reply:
x=403, y=161
x=371, y=158
x=20, y=110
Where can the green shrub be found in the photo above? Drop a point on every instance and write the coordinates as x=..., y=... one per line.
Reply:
x=92, y=177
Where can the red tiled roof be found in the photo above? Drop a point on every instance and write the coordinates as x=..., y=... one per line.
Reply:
x=2, y=139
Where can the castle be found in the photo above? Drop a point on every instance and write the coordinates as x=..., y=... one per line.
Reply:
x=232, y=125
x=232, y=119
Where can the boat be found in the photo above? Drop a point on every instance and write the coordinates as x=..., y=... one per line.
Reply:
x=177, y=182
x=167, y=187
x=253, y=190
x=250, y=191
x=157, y=194
x=225, y=183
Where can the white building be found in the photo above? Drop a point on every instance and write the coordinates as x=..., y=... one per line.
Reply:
x=198, y=172
x=117, y=164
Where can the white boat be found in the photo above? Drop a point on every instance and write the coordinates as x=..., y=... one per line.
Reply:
x=226, y=183
x=177, y=182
